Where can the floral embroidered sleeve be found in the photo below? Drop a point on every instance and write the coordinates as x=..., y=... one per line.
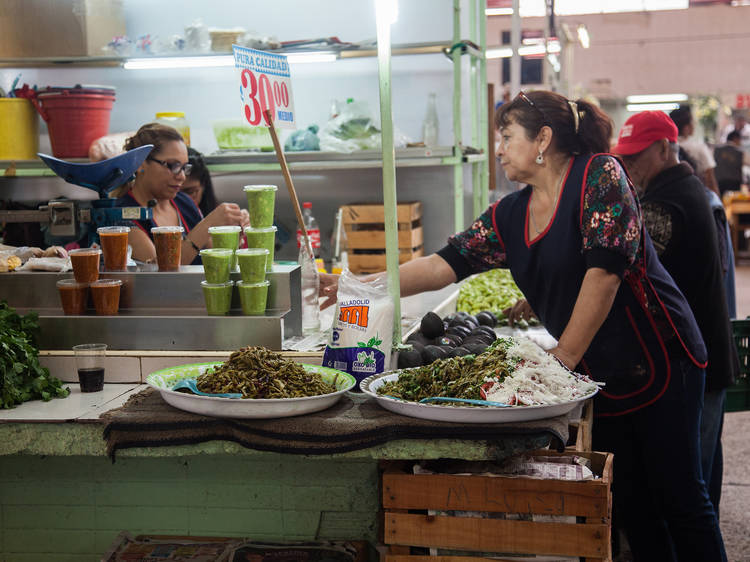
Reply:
x=479, y=244
x=610, y=213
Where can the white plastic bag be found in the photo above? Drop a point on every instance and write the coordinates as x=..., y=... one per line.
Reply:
x=362, y=333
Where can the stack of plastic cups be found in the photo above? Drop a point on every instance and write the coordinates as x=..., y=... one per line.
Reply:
x=74, y=292
x=217, y=287
x=254, y=287
x=261, y=237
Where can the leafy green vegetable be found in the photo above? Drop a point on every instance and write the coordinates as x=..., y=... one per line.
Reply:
x=457, y=377
x=356, y=128
x=22, y=378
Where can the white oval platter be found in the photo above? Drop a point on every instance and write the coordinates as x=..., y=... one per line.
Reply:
x=258, y=408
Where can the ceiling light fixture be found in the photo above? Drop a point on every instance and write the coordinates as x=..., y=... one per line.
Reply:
x=297, y=58
x=656, y=98
x=525, y=51
x=583, y=36
x=498, y=12
x=153, y=63
x=636, y=107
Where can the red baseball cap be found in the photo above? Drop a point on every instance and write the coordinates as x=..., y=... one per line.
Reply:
x=643, y=129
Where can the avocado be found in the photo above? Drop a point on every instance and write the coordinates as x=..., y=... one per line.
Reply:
x=460, y=351
x=472, y=320
x=486, y=330
x=432, y=325
x=444, y=340
x=432, y=353
x=455, y=339
x=420, y=338
x=416, y=345
x=481, y=337
x=486, y=318
x=449, y=317
x=475, y=348
x=462, y=331
x=411, y=358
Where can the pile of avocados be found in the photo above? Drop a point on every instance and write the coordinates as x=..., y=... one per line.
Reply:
x=455, y=335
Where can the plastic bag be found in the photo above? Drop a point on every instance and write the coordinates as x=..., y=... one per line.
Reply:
x=303, y=140
x=352, y=129
x=362, y=333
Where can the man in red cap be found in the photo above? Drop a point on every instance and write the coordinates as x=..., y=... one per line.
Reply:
x=678, y=217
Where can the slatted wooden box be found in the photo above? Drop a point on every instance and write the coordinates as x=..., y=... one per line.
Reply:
x=406, y=498
x=365, y=232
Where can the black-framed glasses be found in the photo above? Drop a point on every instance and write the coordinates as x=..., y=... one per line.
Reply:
x=174, y=167
x=528, y=100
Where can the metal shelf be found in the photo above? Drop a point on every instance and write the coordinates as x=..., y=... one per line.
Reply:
x=238, y=162
x=342, y=53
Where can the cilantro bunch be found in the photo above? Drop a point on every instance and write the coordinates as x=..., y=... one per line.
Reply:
x=22, y=378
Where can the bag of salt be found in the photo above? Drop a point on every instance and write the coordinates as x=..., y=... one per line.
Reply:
x=362, y=333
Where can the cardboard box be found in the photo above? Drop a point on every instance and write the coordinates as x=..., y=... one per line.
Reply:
x=59, y=28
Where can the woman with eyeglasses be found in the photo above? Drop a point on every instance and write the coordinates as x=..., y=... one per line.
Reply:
x=157, y=185
x=576, y=246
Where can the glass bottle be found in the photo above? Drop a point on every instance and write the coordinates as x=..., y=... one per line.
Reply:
x=339, y=246
x=310, y=286
x=313, y=230
x=430, y=125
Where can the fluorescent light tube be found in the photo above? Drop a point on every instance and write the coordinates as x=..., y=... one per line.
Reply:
x=657, y=98
x=636, y=107
x=151, y=63
x=583, y=36
x=498, y=12
x=498, y=53
x=298, y=58
x=526, y=50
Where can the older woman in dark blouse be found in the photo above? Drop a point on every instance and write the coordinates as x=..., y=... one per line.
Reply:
x=575, y=243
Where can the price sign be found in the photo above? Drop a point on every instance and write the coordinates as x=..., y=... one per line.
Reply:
x=265, y=83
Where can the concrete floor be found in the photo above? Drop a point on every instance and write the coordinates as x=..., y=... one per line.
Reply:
x=735, y=497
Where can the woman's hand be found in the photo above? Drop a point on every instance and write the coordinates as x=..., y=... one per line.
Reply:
x=519, y=311
x=245, y=219
x=226, y=214
x=329, y=286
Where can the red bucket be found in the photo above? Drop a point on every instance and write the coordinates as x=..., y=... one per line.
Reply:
x=74, y=120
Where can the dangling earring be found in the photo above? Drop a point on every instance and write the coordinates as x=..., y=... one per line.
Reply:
x=540, y=159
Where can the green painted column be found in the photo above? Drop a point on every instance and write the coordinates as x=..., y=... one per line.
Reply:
x=384, y=19
x=487, y=147
x=458, y=177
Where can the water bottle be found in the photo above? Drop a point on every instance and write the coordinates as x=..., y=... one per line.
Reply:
x=313, y=230
x=430, y=125
x=339, y=246
x=310, y=285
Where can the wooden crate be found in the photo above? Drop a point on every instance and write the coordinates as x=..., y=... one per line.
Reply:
x=406, y=497
x=365, y=232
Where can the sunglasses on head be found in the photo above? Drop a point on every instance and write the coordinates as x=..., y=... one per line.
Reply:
x=528, y=100
x=174, y=167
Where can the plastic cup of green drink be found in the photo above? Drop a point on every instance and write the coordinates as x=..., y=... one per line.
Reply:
x=252, y=262
x=253, y=297
x=260, y=204
x=216, y=264
x=218, y=297
x=262, y=238
x=226, y=237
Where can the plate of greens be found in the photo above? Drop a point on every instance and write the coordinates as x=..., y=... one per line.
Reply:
x=523, y=381
x=270, y=386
